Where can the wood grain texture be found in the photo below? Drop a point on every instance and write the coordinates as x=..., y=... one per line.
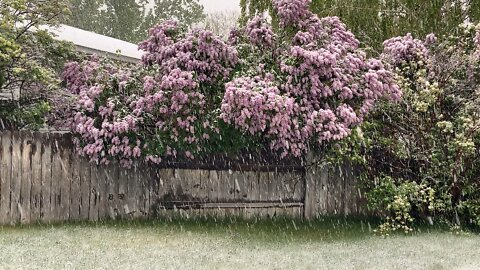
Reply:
x=46, y=214
x=36, y=190
x=26, y=183
x=5, y=177
x=42, y=179
x=16, y=180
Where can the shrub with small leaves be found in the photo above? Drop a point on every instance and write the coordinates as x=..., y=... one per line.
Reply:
x=430, y=139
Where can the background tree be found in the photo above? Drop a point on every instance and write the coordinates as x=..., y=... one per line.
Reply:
x=29, y=60
x=220, y=23
x=130, y=20
x=125, y=19
x=186, y=12
x=87, y=15
x=374, y=21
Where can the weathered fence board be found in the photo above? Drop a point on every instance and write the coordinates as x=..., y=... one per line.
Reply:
x=26, y=186
x=94, y=193
x=43, y=180
x=5, y=176
x=74, y=207
x=16, y=180
x=46, y=199
x=36, y=191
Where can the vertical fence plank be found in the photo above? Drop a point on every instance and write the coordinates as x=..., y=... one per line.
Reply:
x=36, y=191
x=196, y=192
x=215, y=191
x=65, y=183
x=139, y=180
x=243, y=186
x=187, y=182
x=235, y=180
x=75, y=190
x=286, y=193
x=164, y=189
x=310, y=206
x=281, y=196
x=227, y=190
x=217, y=177
x=57, y=176
x=152, y=189
x=272, y=192
x=94, y=193
x=254, y=180
x=46, y=197
x=26, y=186
x=133, y=191
x=340, y=187
x=247, y=192
x=5, y=176
x=322, y=191
x=85, y=189
x=146, y=185
x=103, y=198
x=330, y=192
x=195, y=180
x=16, y=182
x=204, y=189
x=143, y=192
x=346, y=191
x=298, y=183
x=358, y=196
x=111, y=176
x=263, y=192
x=122, y=194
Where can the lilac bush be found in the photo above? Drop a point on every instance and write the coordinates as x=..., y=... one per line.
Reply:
x=183, y=88
x=163, y=107
x=316, y=87
x=199, y=52
x=406, y=49
x=260, y=32
x=100, y=116
x=194, y=92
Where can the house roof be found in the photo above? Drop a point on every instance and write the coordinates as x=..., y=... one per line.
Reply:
x=93, y=43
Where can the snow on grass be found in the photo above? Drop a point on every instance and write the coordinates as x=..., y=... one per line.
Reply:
x=231, y=245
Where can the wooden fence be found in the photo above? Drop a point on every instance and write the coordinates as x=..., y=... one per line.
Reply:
x=43, y=180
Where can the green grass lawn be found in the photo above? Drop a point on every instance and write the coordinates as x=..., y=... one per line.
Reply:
x=280, y=244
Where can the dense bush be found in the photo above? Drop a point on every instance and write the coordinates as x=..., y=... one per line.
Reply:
x=422, y=156
x=30, y=60
x=167, y=104
x=305, y=85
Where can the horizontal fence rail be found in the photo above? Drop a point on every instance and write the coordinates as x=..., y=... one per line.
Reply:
x=43, y=180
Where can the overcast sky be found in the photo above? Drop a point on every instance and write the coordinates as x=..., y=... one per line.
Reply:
x=220, y=5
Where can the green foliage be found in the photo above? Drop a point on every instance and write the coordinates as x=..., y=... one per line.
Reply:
x=374, y=21
x=30, y=116
x=399, y=199
x=421, y=157
x=130, y=20
x=29, y=60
